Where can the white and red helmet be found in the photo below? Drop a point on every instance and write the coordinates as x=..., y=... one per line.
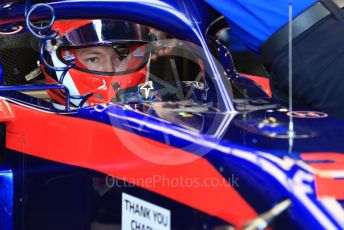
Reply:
x=108, y=56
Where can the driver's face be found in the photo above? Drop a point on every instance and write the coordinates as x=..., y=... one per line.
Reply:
x=101, y=58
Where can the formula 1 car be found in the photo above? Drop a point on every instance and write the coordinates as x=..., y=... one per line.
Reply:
x=194, y=145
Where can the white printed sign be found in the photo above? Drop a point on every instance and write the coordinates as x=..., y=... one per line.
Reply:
x=138, y=214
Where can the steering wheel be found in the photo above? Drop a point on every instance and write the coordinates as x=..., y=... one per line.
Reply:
x=153, y=91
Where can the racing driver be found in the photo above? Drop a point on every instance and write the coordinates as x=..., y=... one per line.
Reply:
x=98, y=57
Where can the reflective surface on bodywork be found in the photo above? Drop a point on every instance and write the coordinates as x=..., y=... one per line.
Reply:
x=59, y=196
x=226, y=156
x=260, y=124
x=6, y=198
x=262, y=172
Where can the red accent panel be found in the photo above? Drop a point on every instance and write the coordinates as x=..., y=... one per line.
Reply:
x=2, y=22
x=6, y=113
x=99, y=147
x=335, y=161
x=67, y=26
x=263, y=82
x=327, y=186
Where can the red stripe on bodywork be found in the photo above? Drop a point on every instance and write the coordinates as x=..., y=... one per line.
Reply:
x=263, y=82
x=328, y=186
x=98, y=147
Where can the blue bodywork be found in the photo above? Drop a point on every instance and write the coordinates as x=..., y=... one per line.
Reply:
x=6, y=198
x=246, y=136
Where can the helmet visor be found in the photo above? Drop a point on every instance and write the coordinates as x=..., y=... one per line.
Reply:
x=97, y=32
x=106, y=47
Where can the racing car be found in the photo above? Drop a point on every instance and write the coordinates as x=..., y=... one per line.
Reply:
x=120, y=114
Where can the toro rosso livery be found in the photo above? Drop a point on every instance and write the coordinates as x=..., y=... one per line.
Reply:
x=127, y=114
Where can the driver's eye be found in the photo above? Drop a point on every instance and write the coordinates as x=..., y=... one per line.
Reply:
x=120, y=58
x=92, y=59
x=122, y=52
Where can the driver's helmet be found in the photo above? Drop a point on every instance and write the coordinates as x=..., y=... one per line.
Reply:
x=105, y=56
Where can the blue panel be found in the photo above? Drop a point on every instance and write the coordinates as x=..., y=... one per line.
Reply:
x=6, y=199
x=1, y=77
